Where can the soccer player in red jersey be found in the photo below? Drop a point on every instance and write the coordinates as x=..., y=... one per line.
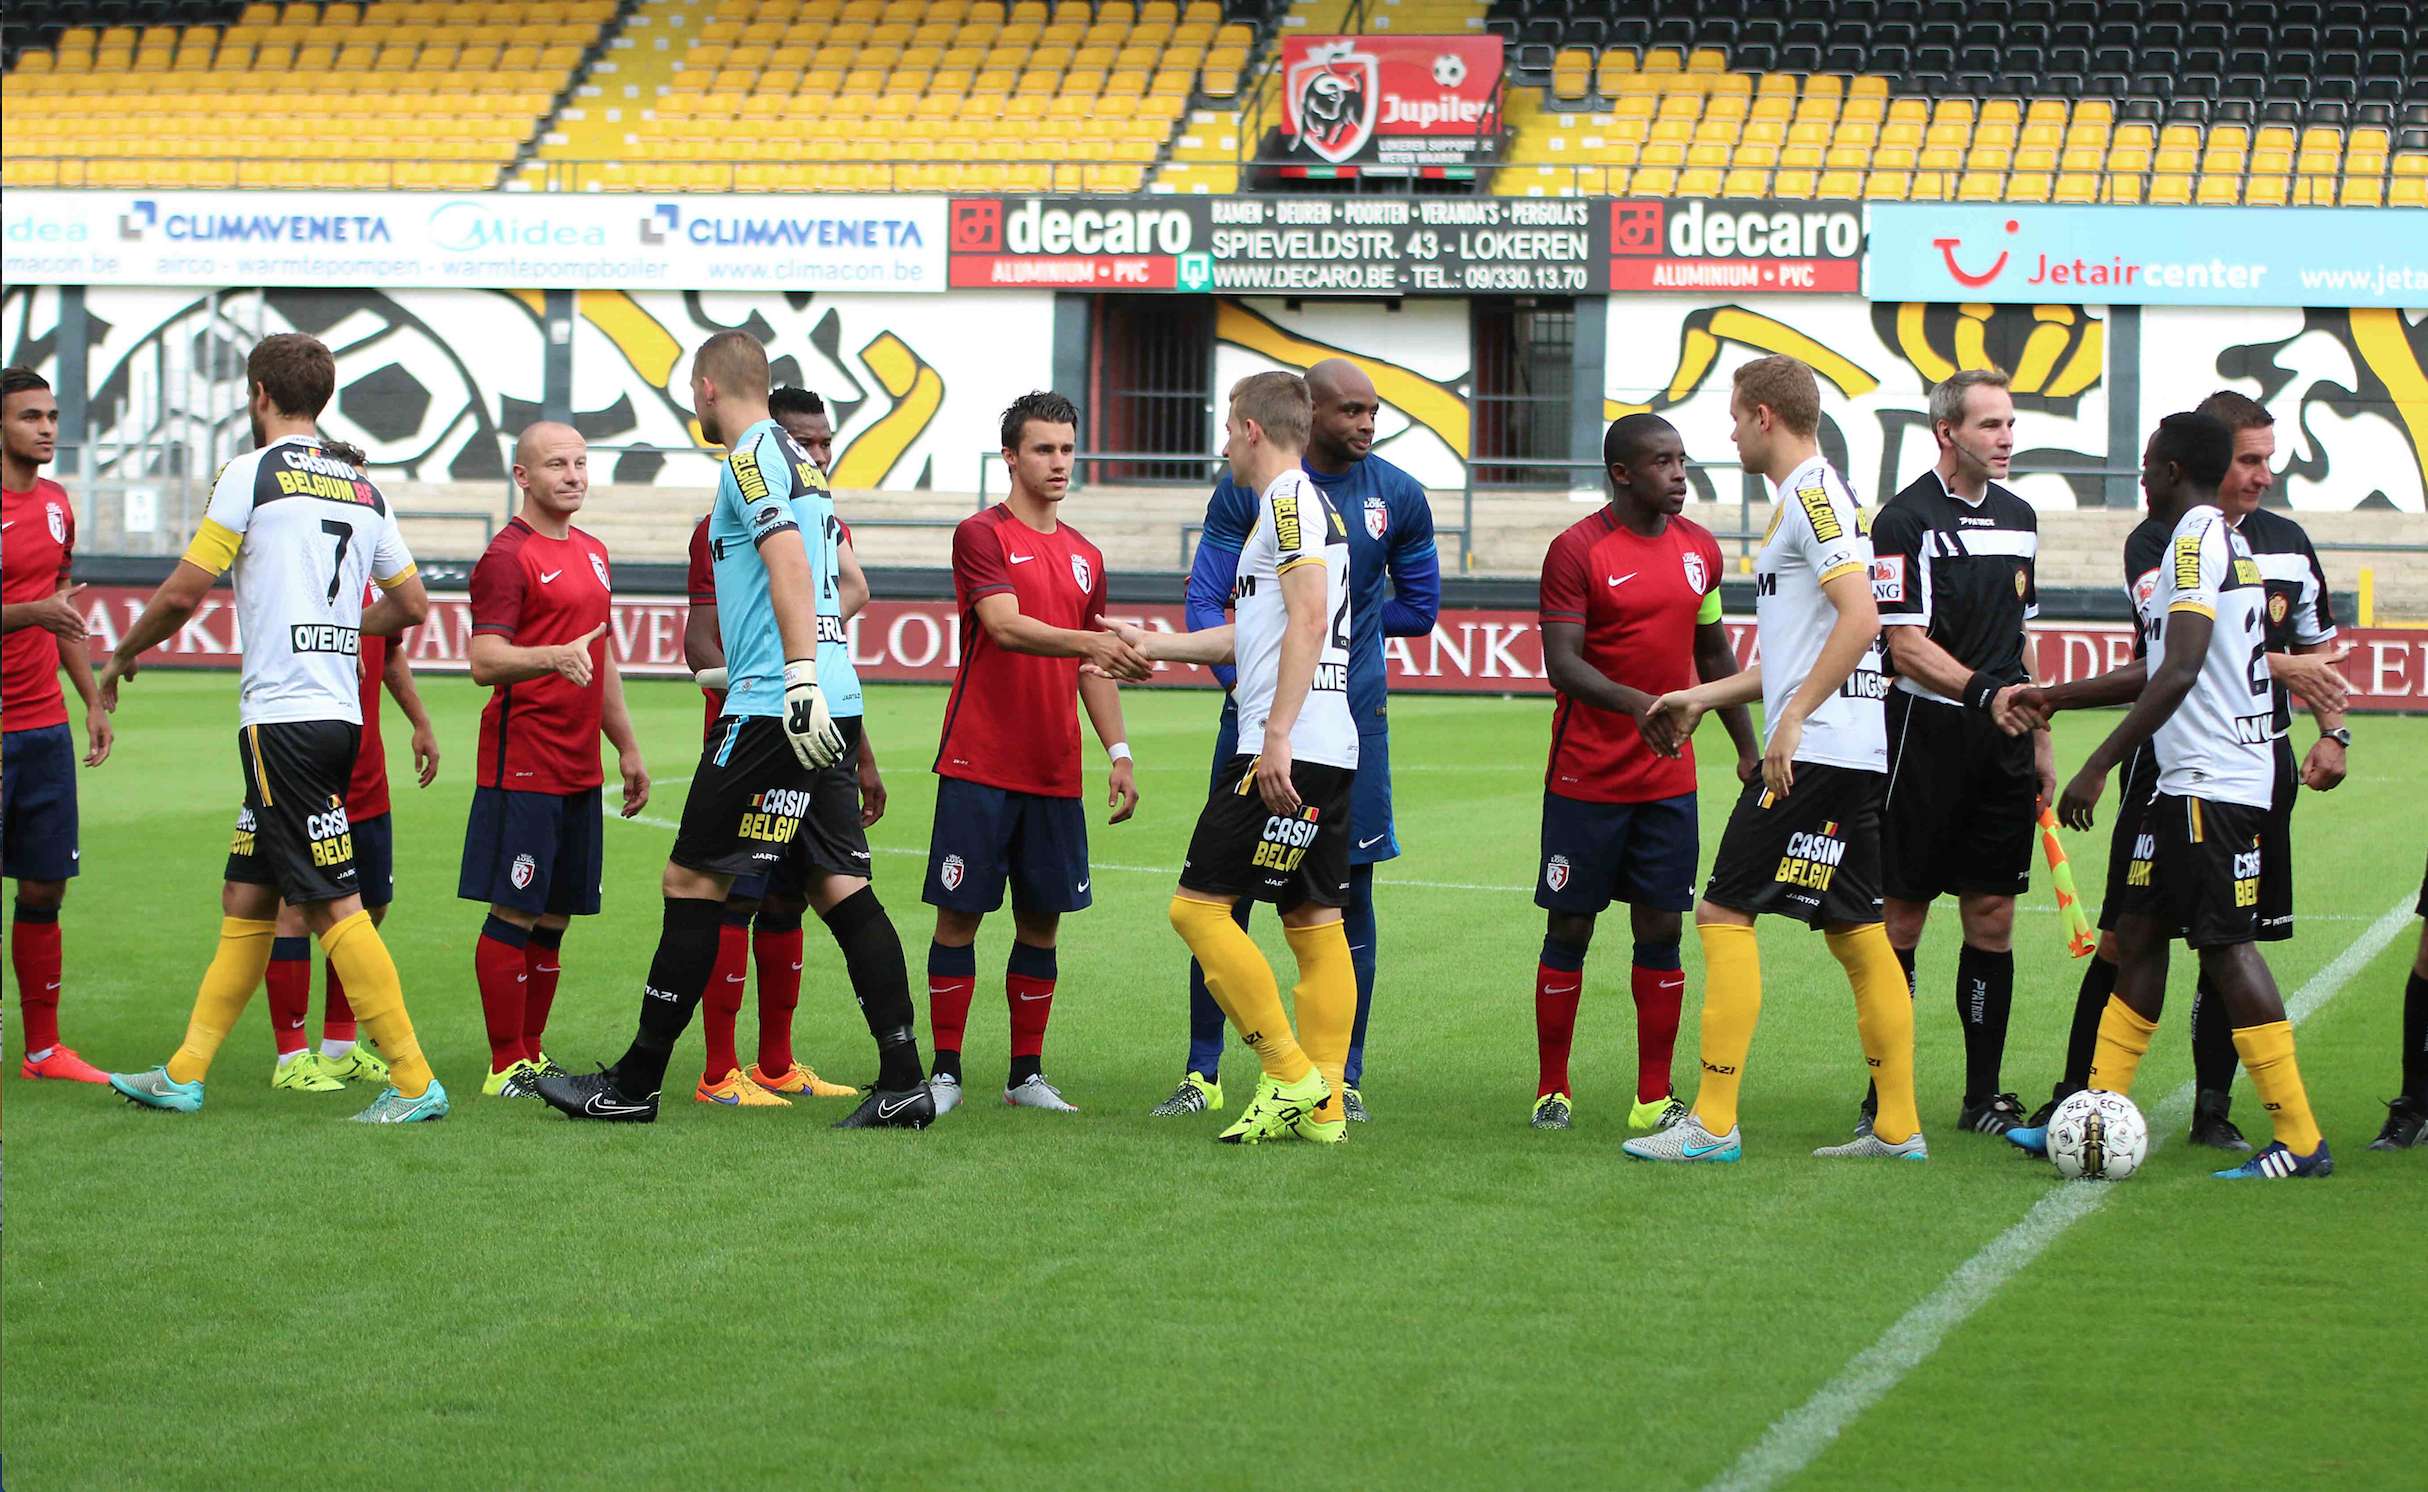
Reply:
x=763, y=912
x=341, y=1059
x=532, y=848
x=45, y=633
x=1630, y=612
x=1031, y=588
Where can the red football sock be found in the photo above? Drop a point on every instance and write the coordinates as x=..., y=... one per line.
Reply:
x=1556, y=993
x=289, y=981
x=948, y=1007
x=543, y=963
x=33, y=952
x=778, y=956
x=497, y=962
x=1032, y=1002
x=1659, y=993
x=722, y=1003
x=337, y=1013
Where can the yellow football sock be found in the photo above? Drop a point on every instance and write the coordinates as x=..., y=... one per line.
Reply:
x=1884, y=1020
x=227, y=986
x=1325, y=1001
x=361, y=960
x=1732, y=1002
x=2267, y=1053
x=1241, y=982
x=2124, y=1039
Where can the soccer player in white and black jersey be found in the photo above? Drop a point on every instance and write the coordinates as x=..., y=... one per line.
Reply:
x=1276, y=824
x=1954, y=575
x=2204, y=699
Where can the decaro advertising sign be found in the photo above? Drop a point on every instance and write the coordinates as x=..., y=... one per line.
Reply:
x=1470, y=650
x=1278, y=245
x=1702, y=245
x=2148, y=256
x=1402, y=103
x=497, y=240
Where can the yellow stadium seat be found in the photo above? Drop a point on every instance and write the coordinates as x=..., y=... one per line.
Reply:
x=1980, y=186
x=1746, y=181
x=2076, y=187
x=1699, y=183
x=2219, y=191
x=2364, y=191
x=1840, y=184
x=2029, y=186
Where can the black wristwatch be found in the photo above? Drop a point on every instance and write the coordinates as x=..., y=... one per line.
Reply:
x=2339, y=736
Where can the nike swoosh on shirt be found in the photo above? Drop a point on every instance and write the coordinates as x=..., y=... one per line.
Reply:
x=1622, y=579
x=1022, y=559
x=548, y=575
x=5, y=527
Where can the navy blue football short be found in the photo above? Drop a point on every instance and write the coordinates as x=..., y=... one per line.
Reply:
x=540, y=854
x=987, y=837
x=1643, y=854
x=38, y=804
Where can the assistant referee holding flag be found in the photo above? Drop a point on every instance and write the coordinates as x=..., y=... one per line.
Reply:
x=1954, y=580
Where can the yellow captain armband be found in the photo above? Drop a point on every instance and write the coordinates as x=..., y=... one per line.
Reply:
x=1710, y=610
x=214, y=547
x=395, y=580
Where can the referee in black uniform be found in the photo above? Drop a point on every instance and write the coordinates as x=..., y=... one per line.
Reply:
x=2300, y=620
x=1953, y=575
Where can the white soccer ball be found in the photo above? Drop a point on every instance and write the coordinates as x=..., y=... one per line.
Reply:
x=1449, y=69
x=2096, y=1136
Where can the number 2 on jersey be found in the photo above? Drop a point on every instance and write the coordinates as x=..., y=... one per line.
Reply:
x=344, y=534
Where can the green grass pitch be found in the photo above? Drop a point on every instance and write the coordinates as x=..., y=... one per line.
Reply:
x=1017, y=1299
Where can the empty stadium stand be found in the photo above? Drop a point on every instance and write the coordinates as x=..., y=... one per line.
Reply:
x=388, y=93
x=2313, y=102
x=912, y=95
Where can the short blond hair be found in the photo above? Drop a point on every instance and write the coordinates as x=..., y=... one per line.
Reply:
x=735, y=362
x=1787, y=387
x=1280, y=404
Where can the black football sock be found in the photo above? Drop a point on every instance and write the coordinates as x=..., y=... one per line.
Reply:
x=872, y=954
x=678, y=975
x=2098, y=983
x=2415, y=1039
x=2213, y=1055
x=1985, y=996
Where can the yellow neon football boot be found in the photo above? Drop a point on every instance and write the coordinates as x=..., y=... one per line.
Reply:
x=302, y=1073
x=738, y=1092
x=1277, y=1109
x=513, y=1080
x=360, y=1064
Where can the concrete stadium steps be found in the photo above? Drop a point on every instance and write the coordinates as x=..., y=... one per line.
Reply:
x=1140, y=528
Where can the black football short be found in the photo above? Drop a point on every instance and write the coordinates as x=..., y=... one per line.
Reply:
x=1813, y=855
x=292, y=832
x=1243, y=848
x=831, y=841
x=747, y=800
x=2127, y=849
x=2422, y=908
x=1961, y=803
x=2207, y=863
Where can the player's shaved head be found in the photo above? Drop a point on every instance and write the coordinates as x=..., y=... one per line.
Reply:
x=539, y=437
x=1344, y=404
x=1338, y=378
x=735, y=363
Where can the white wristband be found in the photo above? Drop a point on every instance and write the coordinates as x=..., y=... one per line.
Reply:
x=1119, y=751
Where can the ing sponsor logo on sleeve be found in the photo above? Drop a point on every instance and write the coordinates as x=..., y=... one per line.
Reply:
x=2187, y=561
x=1819, y=512
x=746, y=475
x=1888, y=577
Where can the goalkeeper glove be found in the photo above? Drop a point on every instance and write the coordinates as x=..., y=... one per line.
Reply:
x=814, y=736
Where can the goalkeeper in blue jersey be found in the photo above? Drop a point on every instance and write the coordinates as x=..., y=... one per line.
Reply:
x=1396, y=591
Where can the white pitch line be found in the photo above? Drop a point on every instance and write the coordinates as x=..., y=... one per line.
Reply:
x=1796, y=1439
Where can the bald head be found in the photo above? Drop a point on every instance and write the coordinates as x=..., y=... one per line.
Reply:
x=1345, y=406
x=552, y=467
